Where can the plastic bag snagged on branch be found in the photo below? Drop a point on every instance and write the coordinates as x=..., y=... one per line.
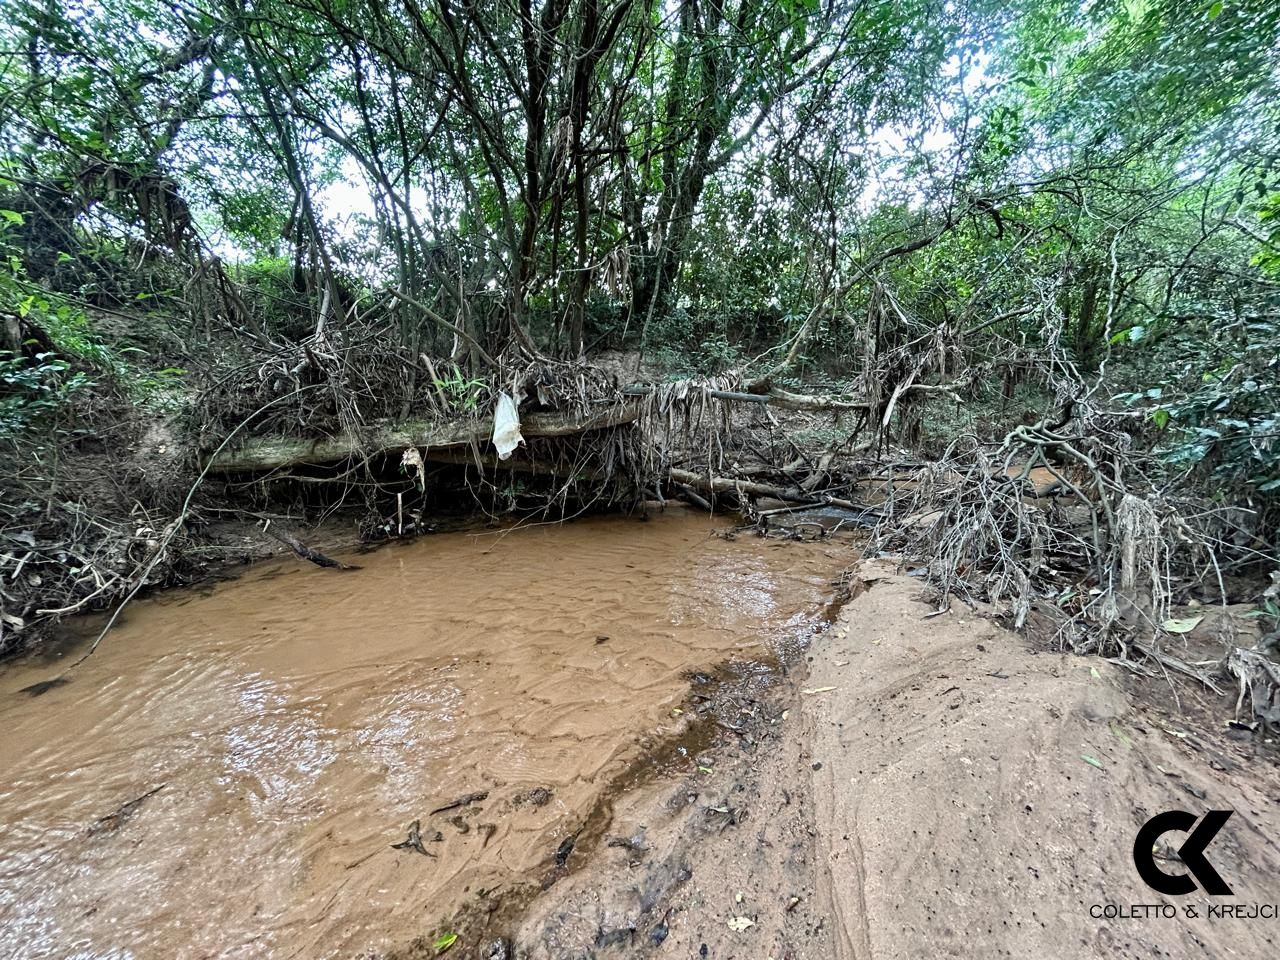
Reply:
x=506, y=426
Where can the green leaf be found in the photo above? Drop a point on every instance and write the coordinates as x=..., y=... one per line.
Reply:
x=1119, y=734
x=1092, y=761
x=13, y=216
x=1183, y=625
x=1160, y=418
x=444, y=942
x=1215, y=9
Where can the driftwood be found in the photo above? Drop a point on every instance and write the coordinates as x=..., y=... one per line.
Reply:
x=687, y=492
x=413, y=841
x=778, y=397
x=730, y=485
x=117, y=818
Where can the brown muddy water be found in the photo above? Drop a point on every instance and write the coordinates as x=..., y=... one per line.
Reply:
x=296, y=722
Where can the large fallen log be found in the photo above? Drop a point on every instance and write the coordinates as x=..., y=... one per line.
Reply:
x=778, y=397
x=751, y=488
x=736, y=487
x=774, y=396
x=272, y=453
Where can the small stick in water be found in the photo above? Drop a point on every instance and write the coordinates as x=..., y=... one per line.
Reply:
x=116, y=819
x=44, y=686
x=462, y=802
x=305, y=552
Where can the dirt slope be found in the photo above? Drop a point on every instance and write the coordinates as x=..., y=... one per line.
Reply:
x=957, y=815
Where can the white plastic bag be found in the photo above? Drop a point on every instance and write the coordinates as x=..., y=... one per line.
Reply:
x=506, y=426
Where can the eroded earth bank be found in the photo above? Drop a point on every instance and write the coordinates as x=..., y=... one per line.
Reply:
x=604, y=738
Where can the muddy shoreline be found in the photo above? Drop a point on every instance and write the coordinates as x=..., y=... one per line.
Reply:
x=861, y=828
x=682, y=792
x=915, y=787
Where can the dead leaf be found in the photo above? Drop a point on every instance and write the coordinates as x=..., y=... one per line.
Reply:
x=738, y=924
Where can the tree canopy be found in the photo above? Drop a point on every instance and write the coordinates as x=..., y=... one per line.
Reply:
x=1001, y=193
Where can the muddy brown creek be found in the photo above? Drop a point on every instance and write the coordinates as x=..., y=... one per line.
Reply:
x=297, y=720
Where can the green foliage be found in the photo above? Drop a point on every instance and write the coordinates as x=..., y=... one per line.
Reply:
x=462, y=392
x=1217, y=409
x=255, y=215
x=35, y=385
x=35, y=395
x=39, y=386
x=267, y=286
x=1268, y=256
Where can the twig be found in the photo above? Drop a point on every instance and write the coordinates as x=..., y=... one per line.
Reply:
x=467, y=800
x=1178, y=666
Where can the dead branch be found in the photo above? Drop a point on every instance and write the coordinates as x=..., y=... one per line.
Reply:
x=305, y=552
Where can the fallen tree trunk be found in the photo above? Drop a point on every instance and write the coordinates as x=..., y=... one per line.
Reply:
x=813, y=402
x=774, y=396
x=273, y=453
x=738, y=488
